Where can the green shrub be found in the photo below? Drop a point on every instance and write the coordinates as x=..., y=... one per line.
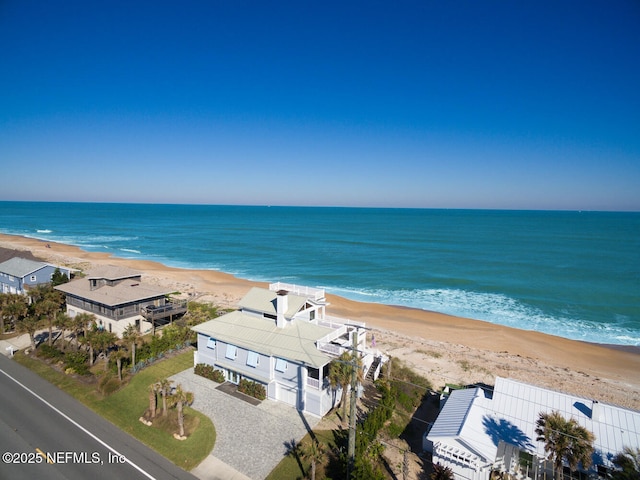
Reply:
x=207, y=371
x=48, y=351
x=77, y=361
x=108, y=384
x=253, y=389
x=394, y=430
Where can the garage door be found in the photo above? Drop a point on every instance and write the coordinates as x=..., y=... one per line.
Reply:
x=287, y=395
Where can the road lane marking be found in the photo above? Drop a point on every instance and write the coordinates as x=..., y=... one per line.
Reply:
x=69, y=419
x=42, y=454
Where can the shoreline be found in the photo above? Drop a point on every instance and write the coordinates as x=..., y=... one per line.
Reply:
x=444, y=348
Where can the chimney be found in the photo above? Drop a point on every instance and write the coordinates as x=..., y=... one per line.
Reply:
x=282, y=305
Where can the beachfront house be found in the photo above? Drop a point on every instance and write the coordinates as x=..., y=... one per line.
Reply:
x=282, y=338
x=118, y=297
x=18, y=274
x=479, y=431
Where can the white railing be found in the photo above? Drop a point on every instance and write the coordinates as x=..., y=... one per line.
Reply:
x=315, y=293
x=330, y=348
x=313, y=382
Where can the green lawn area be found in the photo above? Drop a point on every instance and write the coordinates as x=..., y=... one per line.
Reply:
x=126, y=406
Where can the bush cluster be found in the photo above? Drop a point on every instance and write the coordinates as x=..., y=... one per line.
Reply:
x=74, y=361
x=77, y=361
x=174, y=337
x=253, y=389
x=47, y=351
x=108, y=384
x=207, y=371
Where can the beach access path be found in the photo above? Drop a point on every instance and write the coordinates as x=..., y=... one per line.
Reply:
x=251, y=439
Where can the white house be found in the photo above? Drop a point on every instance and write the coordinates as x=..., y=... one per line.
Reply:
x=478, y=431
x=282, y=338
x=18, y=274
x=118, y=297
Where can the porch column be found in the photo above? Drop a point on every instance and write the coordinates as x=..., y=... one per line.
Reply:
x=302, y=388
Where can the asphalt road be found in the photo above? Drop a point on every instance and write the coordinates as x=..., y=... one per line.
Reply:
x=45, y=433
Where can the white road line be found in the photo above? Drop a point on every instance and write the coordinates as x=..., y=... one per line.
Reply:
x=79, y=426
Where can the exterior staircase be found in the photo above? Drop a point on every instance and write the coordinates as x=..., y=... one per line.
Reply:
x=373, y=368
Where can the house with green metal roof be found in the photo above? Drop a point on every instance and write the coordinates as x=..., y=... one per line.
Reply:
x=282, y=338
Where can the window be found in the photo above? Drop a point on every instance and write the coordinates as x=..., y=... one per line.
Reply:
x=232, y=352
x=253, y=359
x=281, y=365
x=33, y=278
x=211, y=343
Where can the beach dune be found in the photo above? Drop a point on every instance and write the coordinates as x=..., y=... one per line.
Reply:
x=444, y=348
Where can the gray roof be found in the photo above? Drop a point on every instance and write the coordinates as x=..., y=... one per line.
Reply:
x=295, y=342
x=21, y=267
x=454, y=413
x=111, y=272
x=263, y=300
x=126, y=291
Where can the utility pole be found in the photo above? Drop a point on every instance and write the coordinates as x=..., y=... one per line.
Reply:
x=352, y=414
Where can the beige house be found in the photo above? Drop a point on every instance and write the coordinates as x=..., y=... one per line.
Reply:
x=118, y=297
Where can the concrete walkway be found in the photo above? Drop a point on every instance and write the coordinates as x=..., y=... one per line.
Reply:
x=7, y=347
x=250, y=440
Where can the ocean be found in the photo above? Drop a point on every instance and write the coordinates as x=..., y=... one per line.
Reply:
x=570, y=274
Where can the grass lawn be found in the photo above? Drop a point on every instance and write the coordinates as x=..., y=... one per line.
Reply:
x=124, y=408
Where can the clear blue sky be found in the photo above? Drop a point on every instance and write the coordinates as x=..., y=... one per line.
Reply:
x=436, y=104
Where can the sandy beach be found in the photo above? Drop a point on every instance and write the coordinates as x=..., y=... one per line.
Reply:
x=444, y=348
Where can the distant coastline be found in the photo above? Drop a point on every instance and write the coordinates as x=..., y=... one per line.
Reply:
x=563, y=273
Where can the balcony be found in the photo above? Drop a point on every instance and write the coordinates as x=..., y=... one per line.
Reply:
x=171, y=309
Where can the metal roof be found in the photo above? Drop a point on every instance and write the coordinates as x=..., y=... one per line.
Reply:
x=295, y=342
x=263, y=300
x=480, y=423
x=21, y=267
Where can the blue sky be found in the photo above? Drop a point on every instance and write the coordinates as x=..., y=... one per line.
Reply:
x=397, y=104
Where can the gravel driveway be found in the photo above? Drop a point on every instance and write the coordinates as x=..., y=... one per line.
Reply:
x=250, y=438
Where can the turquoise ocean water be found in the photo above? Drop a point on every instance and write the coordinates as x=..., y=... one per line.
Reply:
x=571, y=274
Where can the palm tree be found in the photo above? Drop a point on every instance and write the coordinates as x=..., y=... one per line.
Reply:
x=103, y=341
x=80, y=322
x=63, y=322
x=132, y=336
x=564, y=440
x=13, y=307
x=47, y=303
x=314, y=452
x=164, y=386
x=182, y=398
x=119, y=356
x=29, y=324
x=153, y=399
x=628, y=462
x=340, y=371
x=440, y=472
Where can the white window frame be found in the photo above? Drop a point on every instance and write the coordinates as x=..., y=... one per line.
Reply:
x=211, y=343
x=232, y=352
x=33, y=278
x=253, y=359
x=281, y=365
